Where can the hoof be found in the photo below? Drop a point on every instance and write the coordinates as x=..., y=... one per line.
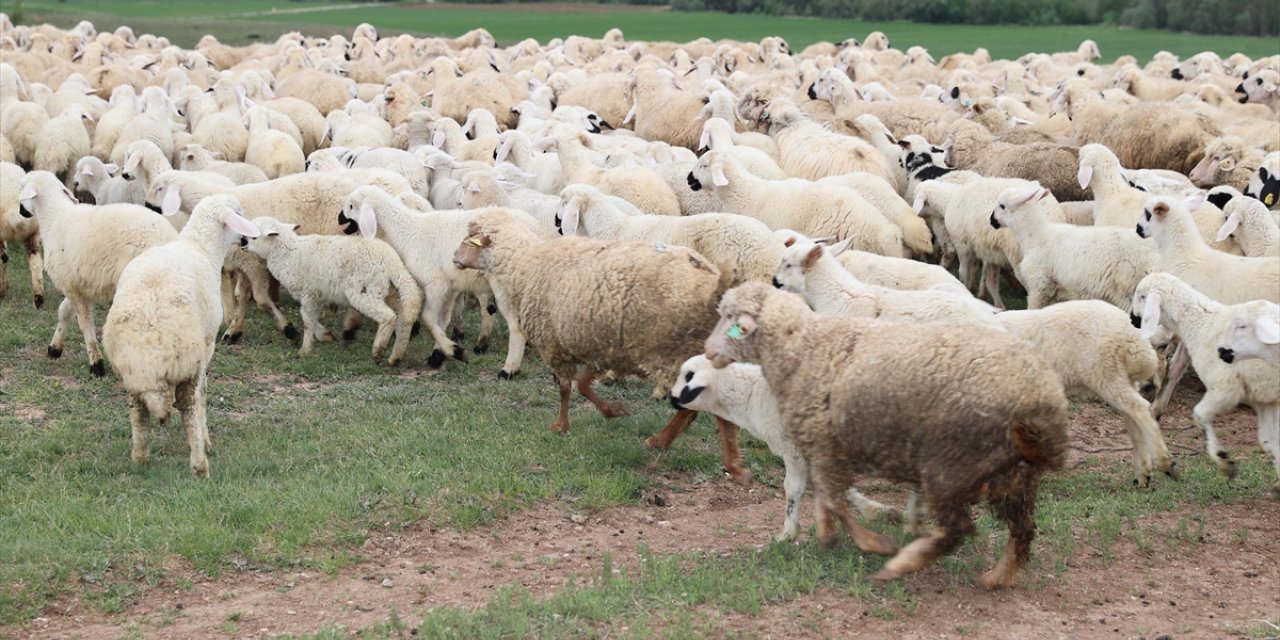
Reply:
x=481, y=347
x=459, y=353
x=98, y=369
x=503, y=375
x=558, y=427
x=349, y=335
x=200, y=470
x=1173, y=471
x=655, y=442
x=1226, y=465
x=492, y=308
x=829, y=541
x=436, y=360
x=884, y=575
x=231, y=338
x=614, y=410
x=54, y=352
x=416, y=329
x=740, y=476
x=457, y=334
x=291, y=333
x=994, y=579
x=39, y=300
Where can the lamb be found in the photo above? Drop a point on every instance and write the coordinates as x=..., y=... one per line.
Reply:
x=637, y=185
x=22, y=119
x=881, y=195
x=1265, y=184
x=740, y=247
x=98, y=179
x=848, y=390
x=1263, y=88
x=813, y=209
x=717, y=135
x=663, y=110
x=85, y=249
x=971, y=147
x=456, y=95
x=1226, y=278
x=62, y=141
x=196, y=158
x=811, y=152
x=122, y=108
x=1252, y=226
x=360, y=272
x=1069, y=262
x=151, y=124
x=1199, y=321
x=17, y=228
x=739, y=394
x=1094, y=347
x=1254, y=332
x=395, y=160
x=667, y=292
x=516, y=148
x=162, y=326
x=812, y=271
x=894, y=273
x=276, y=153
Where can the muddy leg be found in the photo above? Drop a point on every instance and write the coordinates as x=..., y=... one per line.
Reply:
x=664, y=438
x=561, y=425
x=1013, y=500
x=924, y=550
x=732, y=453
x=608, y=409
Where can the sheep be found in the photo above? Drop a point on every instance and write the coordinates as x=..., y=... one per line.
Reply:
x=1254, y=332
x=848, y=390
x=1263, y=88
x=882, y=196
x=396, y=160
x=717, y=135
x=163, y=323
x=85, y=249
x=641, y=307
x=811, y=152
x=639, y=186
x=456, y=95
x=22, y=119
x=812, y=271
x=1227, y=160
x=971, y=147
x=196, y=158
x=813, y=209
x=739, y=394
x=516, y=148
x=1225, y=278
x=1199, y=321
x=223, y=130
x=1249, y=223
x=16, y=228
x=663, y=110
x=1265, y=184
x=152, y=124
x=741, y=248
x=63, y=140
x=360, y=272
x=894, y=273
x=98, y=179
x=122, y=108
x=1094, y=347
x=1068, y=262
x=274, y=152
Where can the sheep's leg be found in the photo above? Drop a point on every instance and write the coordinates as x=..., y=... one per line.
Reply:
x=1013, y=500
x=4, y=269
x=1210, y=406
x=139, y=419
x=793, y=486
x=1150, y=451
x=65, y=312
x=915, y=513
x=487, y=310
x=966, y=269
x=869, y=508
x=35, y=265
x=608, y=409
x=84, y=316
x=924, y=550
x=310, y=309
x=435, y=309
x=1178, y=363
x=260, y=284
x=867, y=540
x=991, y=280
x=732, y=453
x=233, y=303
x=351, y=323
x=189, y=399
x=515, y=338
x=372, y=305
x=1269, y=438
x=677, y=425
x=565, y=380
x=403, y=326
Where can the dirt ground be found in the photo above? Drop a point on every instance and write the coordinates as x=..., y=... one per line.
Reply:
x=1219, y=588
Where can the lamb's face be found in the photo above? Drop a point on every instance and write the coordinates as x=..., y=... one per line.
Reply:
x=796, y=260
x=1254, y=329
x=1155, y=211
x=271, y=234
x=708, y=172
x=349, y=215
x=1259, y=88
x=696, y=376
x=473, y=252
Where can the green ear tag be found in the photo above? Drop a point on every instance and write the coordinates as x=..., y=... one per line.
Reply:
x=735, y=331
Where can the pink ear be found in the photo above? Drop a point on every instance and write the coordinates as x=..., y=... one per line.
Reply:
x=1151, y=315
x=1085, y=175
x=438, y=139
x=368, y=222
x=240, y=225
x=1229, y=227
x=918, y=205
x=718, y=178
x=1195, y=201
x=28, y=192
x=569, y=218
x=132, y=161
x=1267, y=330
x=172, y=200
x=705, y=140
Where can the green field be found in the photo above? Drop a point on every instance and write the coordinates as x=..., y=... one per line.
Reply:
x=184, y=23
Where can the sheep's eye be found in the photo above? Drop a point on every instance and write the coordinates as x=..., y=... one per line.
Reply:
x=688, y=377
x=1258, y=81
x=1002, y=207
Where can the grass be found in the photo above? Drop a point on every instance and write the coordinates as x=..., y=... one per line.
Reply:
x=313, y=455
x=185, y=22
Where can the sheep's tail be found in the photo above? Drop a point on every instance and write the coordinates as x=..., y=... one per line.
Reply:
x=158, y=404
x=1041, y=443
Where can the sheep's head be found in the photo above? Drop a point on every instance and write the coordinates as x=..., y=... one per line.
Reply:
x=1161, y=210
x=164, y=197
x=35, y=187
x=1254, y=329
x=1147, y=300
x=740, y=310
x=1265, y=184
x=710, y=170
x=1259, y=88
x=696, y=375
x=473, y=252
x=272, y=234
x=1013, y=199
x=1220, y=156
x=798, y=259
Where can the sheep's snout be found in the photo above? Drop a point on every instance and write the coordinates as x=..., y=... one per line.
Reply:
x=244, y=242
x=1244, y=95
x=1177, y=74
x=154, y=208
x=694, y=183
x=23, y=210
x=813, y=94
x=1227, y=355
x=349, y=226
x=687, y=395
x=1141, y=233
x=995, y=224
x=1135, y=320
x=776, y=283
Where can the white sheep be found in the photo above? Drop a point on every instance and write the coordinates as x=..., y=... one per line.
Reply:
x=638, y=185
x=814, y=209
x=62, y=141
x=85, y=249
x=894, y=273
x=163, y=324
x=194, y=157
x=275, y=152
x=17, y=228
x=1252, y=227
x=356, y=271
x=1254, y=332
x=1199, y=321
x=101, y=181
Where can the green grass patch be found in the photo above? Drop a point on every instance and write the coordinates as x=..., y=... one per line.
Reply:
x=185, y=22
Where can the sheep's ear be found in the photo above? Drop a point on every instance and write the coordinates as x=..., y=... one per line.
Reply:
x=1227, y=164
x=438, y=139
x=919, y=203
x=28, y=193
x=1022, y=197
x=906, y=146
x=1085, y=175
x=132, y=161
x=570, y=217
x=812, y=257
x=1151, y=315
x=823, y=240
x=70, y=196
x=1267, y=330
x=367, y=221
x=239, y=224
x=840, y=247
x=1016, y=121
x=745, y=326
x=1160, y=210
x=631, y=115
x=1229, y=227
x=88, y=170
x=1043, y=193
x=705, y=140
x=717, y=176
x=172, y=200
x=111, y=168
x=1195, y=201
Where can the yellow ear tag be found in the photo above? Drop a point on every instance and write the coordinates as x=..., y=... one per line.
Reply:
x=735, y=332
x=475, y=241
x=1270, y=200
